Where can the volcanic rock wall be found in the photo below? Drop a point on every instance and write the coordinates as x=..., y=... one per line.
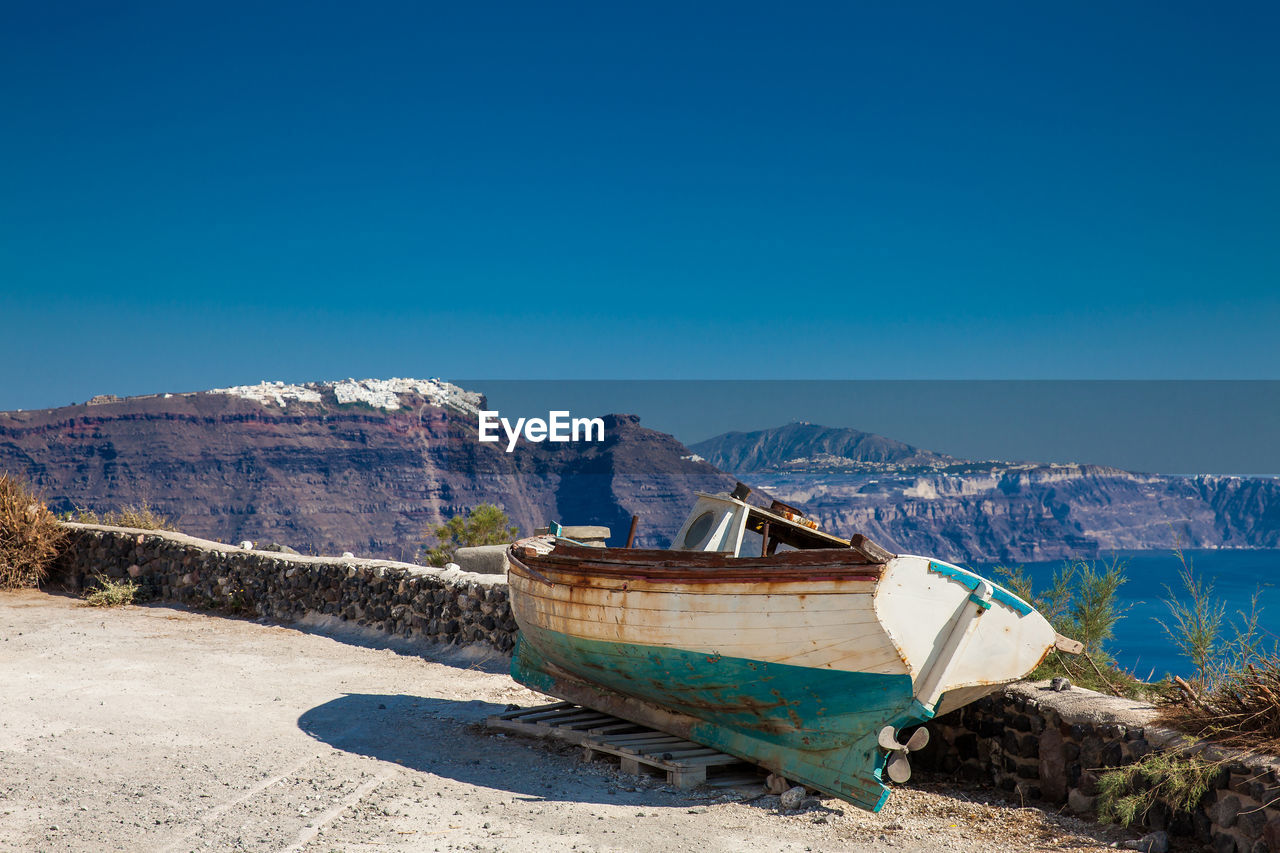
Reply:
x=1052, y=747
x=442, y=605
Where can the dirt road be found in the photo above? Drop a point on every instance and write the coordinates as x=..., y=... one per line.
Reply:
x=151, y=728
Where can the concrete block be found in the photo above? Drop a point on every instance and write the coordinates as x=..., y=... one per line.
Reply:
x=483, y=559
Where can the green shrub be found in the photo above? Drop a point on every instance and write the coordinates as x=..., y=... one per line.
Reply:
x=485, y=524
x=110, y=593
x=1234, y=697
x=1081, y=603
x=1199, y=628
x=80, y=516
x=30, y=535
x=1126, y=794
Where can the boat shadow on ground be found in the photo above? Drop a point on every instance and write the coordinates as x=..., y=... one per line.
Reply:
x=440, y=737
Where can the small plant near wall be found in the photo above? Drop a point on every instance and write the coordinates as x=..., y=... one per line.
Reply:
x=142, y=517
x=110, y=593
x=239, y=604
x=30, y=535
x=1195, y=623
x=1179, y=782
x=485, y=524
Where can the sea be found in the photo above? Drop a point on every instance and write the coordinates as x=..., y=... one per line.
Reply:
x=1140, y=644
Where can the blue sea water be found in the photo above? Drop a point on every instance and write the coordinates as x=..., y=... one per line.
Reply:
x=1140, y=644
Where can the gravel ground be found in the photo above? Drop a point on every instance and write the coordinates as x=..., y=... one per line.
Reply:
x=152, y=728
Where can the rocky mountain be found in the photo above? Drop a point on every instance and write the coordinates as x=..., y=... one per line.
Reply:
x=915, y=501
x=804, y=446
x=366, y=466
x=343, y=466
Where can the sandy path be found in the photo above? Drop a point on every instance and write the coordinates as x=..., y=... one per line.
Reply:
x=151, y=728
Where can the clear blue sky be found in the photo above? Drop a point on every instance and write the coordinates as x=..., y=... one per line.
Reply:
x=202, y=194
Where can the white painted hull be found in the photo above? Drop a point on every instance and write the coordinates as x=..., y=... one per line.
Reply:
x=892, y=626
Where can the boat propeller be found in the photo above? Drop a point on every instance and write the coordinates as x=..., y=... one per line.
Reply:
x=899, y=768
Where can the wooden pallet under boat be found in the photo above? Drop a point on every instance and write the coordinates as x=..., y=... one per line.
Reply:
x=639, y=749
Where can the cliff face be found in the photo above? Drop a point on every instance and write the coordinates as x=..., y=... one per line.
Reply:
x=328, y=477
x=333, y=468
x=995, y=511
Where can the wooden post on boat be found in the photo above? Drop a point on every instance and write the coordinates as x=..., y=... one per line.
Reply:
x=631, y=534
x=873, y=552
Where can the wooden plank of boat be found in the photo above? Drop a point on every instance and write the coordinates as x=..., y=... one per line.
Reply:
x=528, y=729
x=549, y=721
x=563, y=720
x=710, y=760
x=566, y=721
x=589, y=723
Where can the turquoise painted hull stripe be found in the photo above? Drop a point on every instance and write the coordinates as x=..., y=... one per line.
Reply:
x=972, y=581
x=816, y=726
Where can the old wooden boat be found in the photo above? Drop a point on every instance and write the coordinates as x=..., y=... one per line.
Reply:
x=766, y=638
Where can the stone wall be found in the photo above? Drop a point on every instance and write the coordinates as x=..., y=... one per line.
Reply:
x=1051, y=747
x=442, y=605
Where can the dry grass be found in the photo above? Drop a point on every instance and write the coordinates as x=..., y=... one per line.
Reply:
x=143, y=517
x=1241, y=708
x=30, y=535
x=110, y=593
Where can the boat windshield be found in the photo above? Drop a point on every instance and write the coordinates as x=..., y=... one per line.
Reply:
x=783, y=534
x=729, y=525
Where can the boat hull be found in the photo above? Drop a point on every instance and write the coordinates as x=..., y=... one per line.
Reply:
x=814, y=727
x=797, y=666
